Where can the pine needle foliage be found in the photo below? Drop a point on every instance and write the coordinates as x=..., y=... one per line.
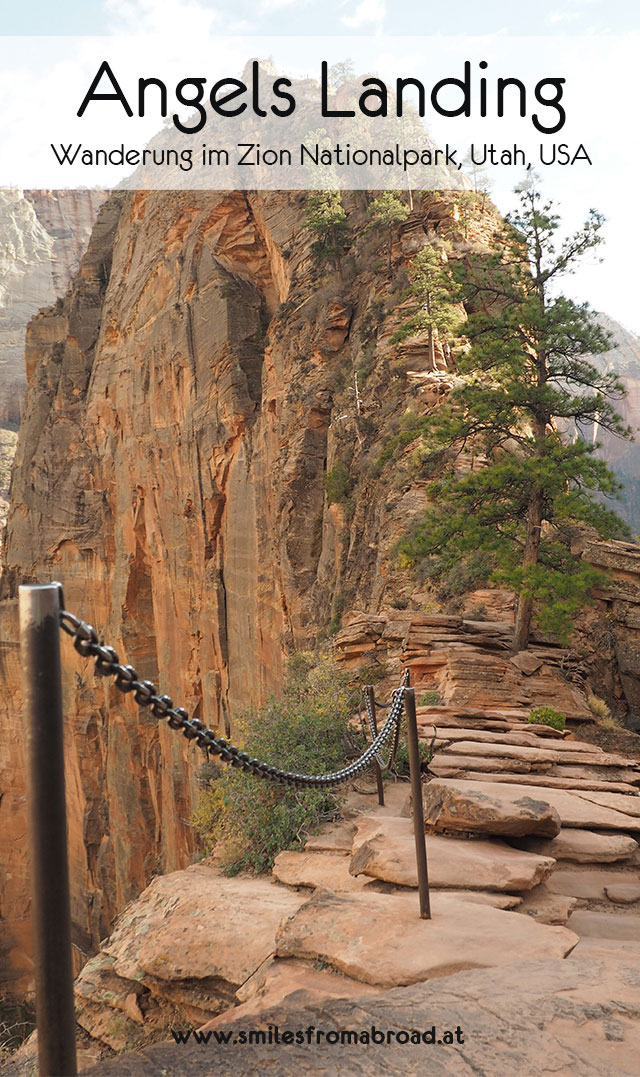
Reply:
x=528, y=379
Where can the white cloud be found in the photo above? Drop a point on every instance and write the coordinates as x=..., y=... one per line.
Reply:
x=367, y=11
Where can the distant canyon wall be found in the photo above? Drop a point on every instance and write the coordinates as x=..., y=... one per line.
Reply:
x=43, y=235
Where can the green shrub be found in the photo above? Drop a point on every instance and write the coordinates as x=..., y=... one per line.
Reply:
x=411, y=427
x=337, y=609
x=307, y=730
x=547, y=716
x=338, y=483
x=429, y=699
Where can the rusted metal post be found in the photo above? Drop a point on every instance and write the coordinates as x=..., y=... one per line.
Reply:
x=370, y=694
x=416, y=801
x=42, y=687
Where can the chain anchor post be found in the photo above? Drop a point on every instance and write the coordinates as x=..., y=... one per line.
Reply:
x=416, y=803
x=40, y=607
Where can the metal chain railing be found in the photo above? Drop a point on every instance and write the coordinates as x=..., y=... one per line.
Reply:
x=87, y=644
x=370, y=703
x=42, y=615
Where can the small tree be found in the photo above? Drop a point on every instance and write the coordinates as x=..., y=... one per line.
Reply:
x=386, y=211
x=528, y=378
x=479, y=178
x=327, y=219
x=433, y=310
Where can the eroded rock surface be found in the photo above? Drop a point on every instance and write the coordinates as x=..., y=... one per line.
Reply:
x=586, y=1023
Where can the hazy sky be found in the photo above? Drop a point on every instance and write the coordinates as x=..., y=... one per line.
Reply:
x=610, y=287
x=329, y=17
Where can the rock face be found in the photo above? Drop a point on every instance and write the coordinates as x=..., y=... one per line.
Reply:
x=586, y=1022
x=346, y=929
x=43, y=235
x=186, y=400
x=174, y=950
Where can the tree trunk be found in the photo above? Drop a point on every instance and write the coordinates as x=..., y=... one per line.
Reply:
x=522, y=629
x=432, y=350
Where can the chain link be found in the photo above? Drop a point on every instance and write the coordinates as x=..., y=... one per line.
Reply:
x=87, y=644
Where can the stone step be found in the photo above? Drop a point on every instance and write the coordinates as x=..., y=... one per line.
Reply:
x=384, y=848
x=506, y=813
x=518, y=738
x=324, y=869
x=628, y=775
x=628, y=804
x=572, y=807
x=604, y=925
x=545, y=779
x=593, y=884
x=449, y=766
x=567, y=754
x=481, y=714
x=380, y=939
x=582, y=846
x=336, y=838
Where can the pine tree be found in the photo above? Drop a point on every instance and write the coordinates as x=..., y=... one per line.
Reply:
x=432, y=310
x=327, y=219
x=528, y=381
x=385, y=212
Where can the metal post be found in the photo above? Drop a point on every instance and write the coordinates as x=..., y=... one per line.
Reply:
x=416, y=801
x=42, y=687
x=369, y=691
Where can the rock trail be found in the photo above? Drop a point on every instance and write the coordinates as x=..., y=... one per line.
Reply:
x=537, y=859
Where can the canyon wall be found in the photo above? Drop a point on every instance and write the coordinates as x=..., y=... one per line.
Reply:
x=43, y=235
x=186, y=400
x=199, y=463
x=623, y=456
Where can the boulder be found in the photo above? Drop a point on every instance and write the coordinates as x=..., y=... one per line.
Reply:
x=583, y=846
x=384, y=848
x=380, y=938
x=485, y=811
x=179, y=928
x=526, y=662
